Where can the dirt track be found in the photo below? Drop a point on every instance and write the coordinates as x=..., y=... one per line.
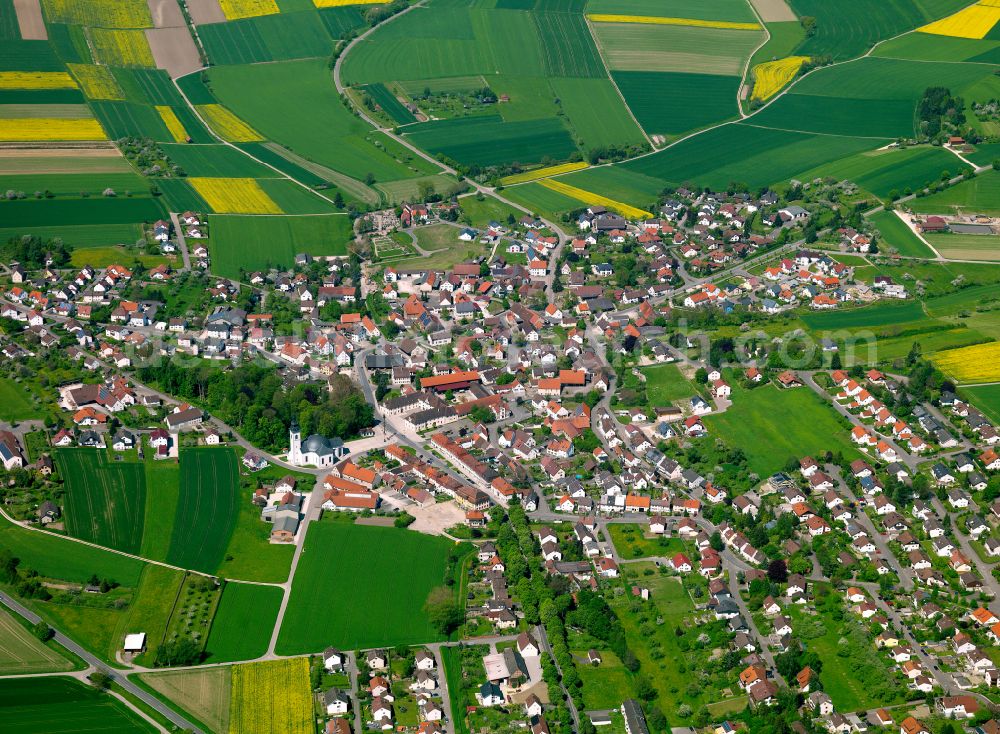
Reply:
x=29, y=20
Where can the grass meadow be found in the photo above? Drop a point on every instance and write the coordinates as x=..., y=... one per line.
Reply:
x=375, y=603
x=772, y=425
x=15, y=403
x=243, y=622
x=665, y=385
x=897, y=235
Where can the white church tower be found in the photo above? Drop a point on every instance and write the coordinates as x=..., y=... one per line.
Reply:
x=294, y=443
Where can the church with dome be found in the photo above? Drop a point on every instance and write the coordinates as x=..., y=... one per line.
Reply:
x=314, y=451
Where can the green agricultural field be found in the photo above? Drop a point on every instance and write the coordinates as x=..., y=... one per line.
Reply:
x=21, y=653
x=883, y=172
x=596, y=113
x=932, y=47
x=543, y=201
x=391, y=106
x=380, y=606
x=311, y=174
x=243, y=623
x=123, y=119
x=295, y=104
x=411, y=189
x=869, y=317
x=250, y=555
x=152, y=86
x=488, y=141
x=105, y=498
x=42, y=705
x=56, y=557
x=95, y=210
x=888, y=79
x=568, y=46
x=845, y=30
x=785, y=38
x=68, y=163
x=966, y=246
x=207, y=509
x=772, y=425
x=661, y=101
x=874, y=118
x=481, y=212
x=986, y=398
x=205, y=694
x=75, y=185
x=255, y=243
x=732, y=10
x=180, y=196
x=985, y=153
x=742, y=152
x=219, y=161
x=342, y=20
x=277, y=37
x=979, y=195
x=666, y=385
x=620, y=185
x=293, y=198
x=162, y=496
x=16, y=404
x=897, y=235
x=681, y=49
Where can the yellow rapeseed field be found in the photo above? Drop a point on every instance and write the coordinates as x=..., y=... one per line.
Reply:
x=121, y=48
x=50, y=128
x=629, y=212
x=227, y=125
x=339, y=3
x=974, y=21
x=273, y=696
x=235, y=196
x=36, y=80
x=770, y=77
x=174, y=125
x=656, y=20
x=543, y=173
x=97, y=82
x=236, y=9
x=978, y=363
x=99, y=13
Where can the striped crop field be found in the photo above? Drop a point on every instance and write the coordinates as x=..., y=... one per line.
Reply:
x=236, y=9
x=974, y=21
x=235, y=196
x=772, y=76
x=585, y=197
x=174, y=126
x=25, y=129
x=653, y=20
x=543, y=173
x=97, y=82
x=36, y=80
x=121, y=47
x=227, y=125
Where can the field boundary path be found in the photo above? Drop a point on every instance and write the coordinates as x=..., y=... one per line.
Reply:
x=92, y=660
